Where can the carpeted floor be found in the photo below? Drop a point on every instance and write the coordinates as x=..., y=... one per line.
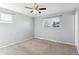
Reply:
x=39, y=47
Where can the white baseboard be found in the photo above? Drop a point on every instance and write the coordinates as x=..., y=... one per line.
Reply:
x=15, y=42
x=46, y=39
x=56, y=41
x=66, y=43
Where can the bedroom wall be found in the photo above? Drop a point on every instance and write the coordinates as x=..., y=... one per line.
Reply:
x=64, y=34
x=77, y=28
x=20, y=29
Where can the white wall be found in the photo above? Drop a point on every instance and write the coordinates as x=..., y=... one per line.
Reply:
x=20, y=29
x=77, y=29
x=65, y=33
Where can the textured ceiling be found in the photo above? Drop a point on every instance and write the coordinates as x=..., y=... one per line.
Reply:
x=52, y=8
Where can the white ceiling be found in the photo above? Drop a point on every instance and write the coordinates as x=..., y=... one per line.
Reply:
x=52, y=8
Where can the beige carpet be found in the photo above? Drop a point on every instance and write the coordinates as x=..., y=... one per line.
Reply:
x=39, y=47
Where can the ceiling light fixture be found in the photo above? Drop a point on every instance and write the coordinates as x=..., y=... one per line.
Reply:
x=35, y=8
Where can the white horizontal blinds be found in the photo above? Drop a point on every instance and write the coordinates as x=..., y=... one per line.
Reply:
x=56, y=19
x=52, y=22
x=6, y=17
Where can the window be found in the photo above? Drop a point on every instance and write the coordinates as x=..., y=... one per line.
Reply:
x=52, y=22
x=5, y=18
x=56, y=22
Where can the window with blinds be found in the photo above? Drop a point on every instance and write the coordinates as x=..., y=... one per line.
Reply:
x=5, y=18
x=52, y=22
